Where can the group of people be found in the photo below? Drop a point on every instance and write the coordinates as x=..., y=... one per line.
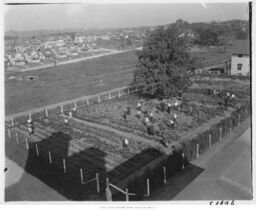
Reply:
x=224, y=98
x=148, y=117
x=31, y=127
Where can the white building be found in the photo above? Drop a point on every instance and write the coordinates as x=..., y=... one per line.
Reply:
x=240, y=59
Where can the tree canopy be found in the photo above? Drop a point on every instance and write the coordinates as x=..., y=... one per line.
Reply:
x=163, y=63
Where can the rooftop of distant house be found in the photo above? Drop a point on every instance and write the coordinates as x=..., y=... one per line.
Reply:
x=241, y=47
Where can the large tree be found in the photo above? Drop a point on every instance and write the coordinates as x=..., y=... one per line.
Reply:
x=163, y=63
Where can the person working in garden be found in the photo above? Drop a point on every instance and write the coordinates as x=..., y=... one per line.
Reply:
x=146, y=120
x=30, y=127
x=151, y=116
x=74, y=110
x=171, y=123
x=66, y=122
x=175, y=117
x=125, y=143
x=125, y=115
x=138, y=114
x=139, y=106
x=128, y=111
x=150, y=130
x=169, y=107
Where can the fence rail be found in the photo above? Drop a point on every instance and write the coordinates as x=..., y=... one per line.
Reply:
x=61, y=107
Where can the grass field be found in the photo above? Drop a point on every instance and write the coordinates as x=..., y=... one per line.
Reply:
x=69, y=81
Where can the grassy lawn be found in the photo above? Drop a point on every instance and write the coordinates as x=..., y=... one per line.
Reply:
x=68, y=81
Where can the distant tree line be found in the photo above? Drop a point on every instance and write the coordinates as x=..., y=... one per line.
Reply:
x=216, y=33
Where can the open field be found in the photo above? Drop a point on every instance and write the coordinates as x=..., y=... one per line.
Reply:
x=68, y=81
x=211, y=56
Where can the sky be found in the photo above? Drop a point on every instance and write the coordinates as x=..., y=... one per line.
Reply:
x=61, y=16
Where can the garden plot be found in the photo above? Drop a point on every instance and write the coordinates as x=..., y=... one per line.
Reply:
x=198, y=108
x=82, y=147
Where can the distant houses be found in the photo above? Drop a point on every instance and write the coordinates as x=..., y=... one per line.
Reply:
x=42, y=49
x=240, y=58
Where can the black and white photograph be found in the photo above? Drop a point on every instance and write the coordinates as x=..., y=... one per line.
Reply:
x=127, y=102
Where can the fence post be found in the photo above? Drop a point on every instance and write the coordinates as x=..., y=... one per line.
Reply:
x=75, y=104
x=46, y=112
x=183, y=160
x=128, y=91
x=64, y=165
x=107, y=182
x=87, y=101
x=97, y=183
x=148, y=189
x=17, y=138
x=26, y=140
x=37, y=152
x=127, y=194
x=119, y=94
x=109, y=96
x=99, y=98
x=220, y=132
x=9, y=133
x=12, y=121
x=50, y=157
x=29, y=116
x=81, y=175
x=197, y=150
x=164, y=168
x=210, y=140
x=61, y=107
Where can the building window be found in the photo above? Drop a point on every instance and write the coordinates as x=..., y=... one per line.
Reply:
x=239, y=66
x=240, y=55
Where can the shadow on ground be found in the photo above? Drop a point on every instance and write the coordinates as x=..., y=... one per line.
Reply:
x=69, y=184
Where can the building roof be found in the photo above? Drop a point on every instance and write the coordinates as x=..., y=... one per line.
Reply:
x=241, y=47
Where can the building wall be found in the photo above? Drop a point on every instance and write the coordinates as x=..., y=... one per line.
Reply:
x=240, y=60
